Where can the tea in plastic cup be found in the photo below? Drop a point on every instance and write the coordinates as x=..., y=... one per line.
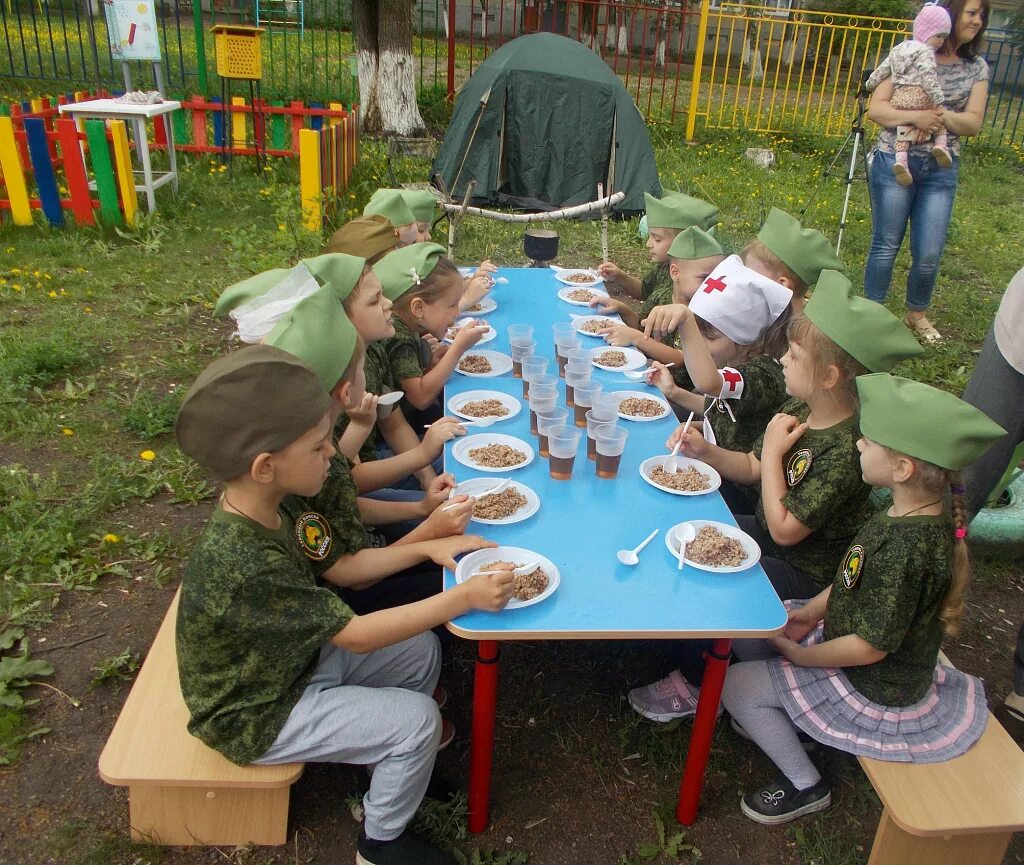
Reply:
x=595, y=423
x=563, y=443
x=562, y=350
x=541, y=402
x=533, y=365
x=519, y=353
x=574, y=377
x=610, y=443
x=583, y=399
x=582, y=354
x=557, y=417
x=609, y=402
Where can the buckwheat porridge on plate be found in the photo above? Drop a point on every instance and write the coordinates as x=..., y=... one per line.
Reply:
x=484, y=408
x=497, y=456
x=475, y=363
x=688, y=480
x=524, y=587
x=611, y=358
x=499, y=506
x=714, y=549
x=641, y=407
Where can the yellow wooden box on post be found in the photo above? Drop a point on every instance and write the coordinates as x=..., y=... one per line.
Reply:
x=238, y=52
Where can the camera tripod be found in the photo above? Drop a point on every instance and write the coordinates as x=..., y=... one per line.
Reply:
x=854, y=142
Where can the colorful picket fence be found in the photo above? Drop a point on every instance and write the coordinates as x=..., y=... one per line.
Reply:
x=326, y=158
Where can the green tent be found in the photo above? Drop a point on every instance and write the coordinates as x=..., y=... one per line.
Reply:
x=540, y=123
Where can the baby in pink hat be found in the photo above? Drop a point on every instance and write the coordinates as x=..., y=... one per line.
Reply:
x=911, y=65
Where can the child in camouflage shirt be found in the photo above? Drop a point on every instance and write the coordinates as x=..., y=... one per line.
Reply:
x=856, y=667
x=274, y=667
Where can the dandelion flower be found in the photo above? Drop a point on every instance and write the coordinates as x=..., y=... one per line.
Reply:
x=67, y=431
x=148, y=456
x=111, y=538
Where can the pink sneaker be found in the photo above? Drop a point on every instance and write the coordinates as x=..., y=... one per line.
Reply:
x=668, y=698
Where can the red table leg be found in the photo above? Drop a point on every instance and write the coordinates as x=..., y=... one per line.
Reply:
x=715, y=665
x=481, y=756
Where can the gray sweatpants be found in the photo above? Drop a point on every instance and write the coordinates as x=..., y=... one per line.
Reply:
x=374, y=710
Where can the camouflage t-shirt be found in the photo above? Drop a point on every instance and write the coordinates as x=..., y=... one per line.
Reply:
x=657, y=289
x=888, y=590
x=754, y=392
x=825, y=492
x=378, y=381
x=251, y=623
x=405, y=359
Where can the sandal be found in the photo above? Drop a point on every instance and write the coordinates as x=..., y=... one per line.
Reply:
x=923, y=328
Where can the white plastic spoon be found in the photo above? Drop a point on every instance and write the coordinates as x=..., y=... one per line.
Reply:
x=480, y=422
x=641, y=374
x=671, y=464
x=521, y=571
x=684, y=536
x=497, y=488
x=391, y=397
x=630, y=557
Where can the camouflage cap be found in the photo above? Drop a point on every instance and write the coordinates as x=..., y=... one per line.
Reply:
x=805, y=251
x=390, y=203
x=319, y=333
x=364, y=236
x=924, y=422
x=400, y=270
x=422, y=203
x=217, y=425
x=678, y=210
x=865, y=330
x=693, y=243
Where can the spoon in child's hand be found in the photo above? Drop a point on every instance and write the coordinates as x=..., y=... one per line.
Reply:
x=641, y=374
x=630, y=557
x=520, y=571
x=497, y=488
x=684, y=535
x=390, y=398
x=480, y=422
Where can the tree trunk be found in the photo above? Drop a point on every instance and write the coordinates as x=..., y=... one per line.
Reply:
x=387, y=73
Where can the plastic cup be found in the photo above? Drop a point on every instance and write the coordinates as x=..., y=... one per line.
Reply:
x=608, y=402
x=557, y=417
x=595, y=423
x=583, y=399
x=532, y=366
x=610, y=443
x=563, y=443
x=541, y=402
x=581, y=354
x=574, y=377
x=519, y=334
x=562, y=330
x=562, y=350
x=519, y=354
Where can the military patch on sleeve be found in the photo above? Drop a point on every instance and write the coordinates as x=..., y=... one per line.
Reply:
x=852, y=565
x=798, y=466
x=314, y=535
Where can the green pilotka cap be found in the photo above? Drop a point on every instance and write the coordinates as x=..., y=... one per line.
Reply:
x=693, y=243
x=865, y=330
x=924, y=422
x=805, y=251
x=422, y=203
x=334, y=270
x=678, y=210
x=364, y=236
x=217, y=425
x=400, y=270
x=390, y=203
x=319, y=333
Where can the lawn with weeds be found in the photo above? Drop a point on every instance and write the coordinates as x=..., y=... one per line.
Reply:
x=103, y=331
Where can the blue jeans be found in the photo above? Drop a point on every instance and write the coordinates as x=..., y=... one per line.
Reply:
x=928, y=205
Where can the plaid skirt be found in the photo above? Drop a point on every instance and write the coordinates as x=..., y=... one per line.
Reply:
x=941, y=725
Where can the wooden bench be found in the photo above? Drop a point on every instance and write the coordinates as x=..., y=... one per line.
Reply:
x=962, y=812
x=179, y=790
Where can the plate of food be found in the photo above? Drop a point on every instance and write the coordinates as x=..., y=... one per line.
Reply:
x=484, y=364
x=473, y=404
x=483, y=306
x=578, y=276
x=578, y=296
x=492, y=452
x=694, y=478
x=515, y=503
x=531, y=588
x=489, y=334
x=618, y=359
x=717, y=547
x=640, y=406
x=594, y=325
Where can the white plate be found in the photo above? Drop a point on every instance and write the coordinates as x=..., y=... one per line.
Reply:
x=462, y=447
x=564, y=293
x=563, y=277
x=634, y=359
x=486, y=304
x=470, y=564
x=489, y=334
x=513, y=405
x=500, y=364
x=580, y=320
x=481, y=485
x=684, y=462
x=467, y=271
x=639, y=394
x=750, y=546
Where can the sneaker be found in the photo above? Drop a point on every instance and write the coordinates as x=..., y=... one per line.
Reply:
x=440, y=696
x=780, y=802
x=942, y=157
x=407, y=849
x=666, y=699
x=806, y=742
x=902, y=174
x=447, y=734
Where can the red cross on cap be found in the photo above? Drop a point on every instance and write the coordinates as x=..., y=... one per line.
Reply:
x=732, y=379
x=711, y=284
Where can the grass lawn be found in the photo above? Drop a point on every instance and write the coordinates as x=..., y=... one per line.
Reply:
x=102, y=332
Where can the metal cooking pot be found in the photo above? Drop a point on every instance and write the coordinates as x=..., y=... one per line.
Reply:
x=540, y=244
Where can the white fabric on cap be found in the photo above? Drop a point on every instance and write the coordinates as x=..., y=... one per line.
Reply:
x=260, y=315
x=741, y=303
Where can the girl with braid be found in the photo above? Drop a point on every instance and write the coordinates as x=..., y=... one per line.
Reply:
x=856, y=667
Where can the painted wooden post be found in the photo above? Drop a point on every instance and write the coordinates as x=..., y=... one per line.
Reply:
x=17, y=191
x=237, y=122
x=103, y=171
x=278, y=130
x=698, y=65
x=297, y=124
x=123, y=168
x=42, y=168
x=198, y=121
x=74, y=171
x=309, y=177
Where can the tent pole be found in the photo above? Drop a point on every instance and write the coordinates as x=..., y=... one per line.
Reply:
x=479, y=116
x=456, y=218
x=604, y=224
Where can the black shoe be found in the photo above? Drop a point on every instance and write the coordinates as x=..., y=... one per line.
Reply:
x=780, y=802
x=1012, y=721
x=407, y=849
x=806, y=742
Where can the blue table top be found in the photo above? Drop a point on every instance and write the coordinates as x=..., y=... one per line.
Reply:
x=583, y=522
